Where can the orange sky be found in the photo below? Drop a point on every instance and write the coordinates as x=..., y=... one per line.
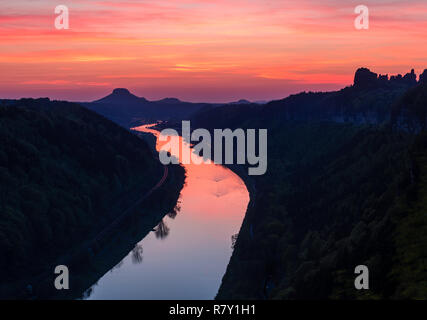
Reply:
x=217, y=50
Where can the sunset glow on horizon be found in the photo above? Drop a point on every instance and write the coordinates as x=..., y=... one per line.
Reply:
x=213, y=51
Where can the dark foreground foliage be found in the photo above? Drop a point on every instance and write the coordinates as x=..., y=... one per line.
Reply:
x=336, y=195
x=65, y=173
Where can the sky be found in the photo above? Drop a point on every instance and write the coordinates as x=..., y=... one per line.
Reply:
x=212, y=51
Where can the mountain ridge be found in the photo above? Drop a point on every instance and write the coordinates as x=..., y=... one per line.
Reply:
x=118, y=95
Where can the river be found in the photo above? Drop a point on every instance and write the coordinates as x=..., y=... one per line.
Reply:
x=188, y=255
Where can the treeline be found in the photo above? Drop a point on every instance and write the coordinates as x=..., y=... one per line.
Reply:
x=357, y=104
x=409, y=113
x=65, y=173
x=327, y=205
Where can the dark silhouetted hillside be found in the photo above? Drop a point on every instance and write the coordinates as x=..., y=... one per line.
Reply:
x=128, y=110
x=409, y=113
x=65, y=173
x=343, y=188
x=368, y=101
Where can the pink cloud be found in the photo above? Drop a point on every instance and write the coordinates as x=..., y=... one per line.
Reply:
x=176, y=46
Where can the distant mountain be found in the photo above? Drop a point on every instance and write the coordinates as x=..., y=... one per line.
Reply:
x=368, y=100
x=244, y=101
x=241, y=101
x=128, y=110
x=169, y=100
x=121, y=95
x=261, y=101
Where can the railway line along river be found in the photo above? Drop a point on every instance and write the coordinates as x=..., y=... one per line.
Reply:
x=186, y=255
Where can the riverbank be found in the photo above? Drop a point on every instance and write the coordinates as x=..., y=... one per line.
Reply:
x=246, y=226
x=328, y=207
x=143, y=220
x=116, y=210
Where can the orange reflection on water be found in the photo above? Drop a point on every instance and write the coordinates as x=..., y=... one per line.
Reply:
x=213, y=189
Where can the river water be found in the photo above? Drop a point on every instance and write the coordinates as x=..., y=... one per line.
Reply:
x=188, y=255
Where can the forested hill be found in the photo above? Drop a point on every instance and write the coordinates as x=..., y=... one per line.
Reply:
x=368, y=101
x=337, y=194
x=62, y=170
